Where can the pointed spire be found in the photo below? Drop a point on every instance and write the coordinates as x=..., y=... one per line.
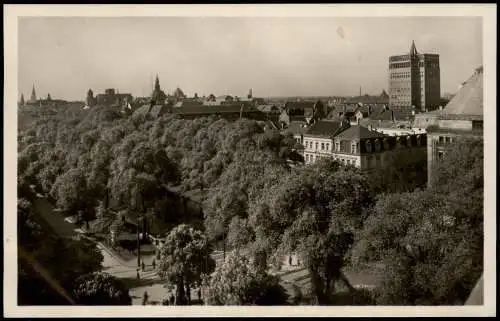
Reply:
x=21, y=102
x=157, y=83
x=413, y=49
x=33, y=93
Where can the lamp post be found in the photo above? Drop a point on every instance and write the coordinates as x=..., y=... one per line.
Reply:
x=138, y=245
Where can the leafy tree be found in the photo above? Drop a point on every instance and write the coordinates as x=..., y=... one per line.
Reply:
x=73, y=195
x=314, y=211
x=239, y=233
x=101, y=289
x=402, y=172
x=432, y=240
x=238, y=282
x=184, y=258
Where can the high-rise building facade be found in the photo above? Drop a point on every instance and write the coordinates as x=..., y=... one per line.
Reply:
x=414, y=81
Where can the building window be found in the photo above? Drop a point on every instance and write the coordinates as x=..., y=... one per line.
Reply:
x=328, y=146
x=448, y=139
x=477, y=124
x=386, y=144
x=440, y=155
x=441, y=140
x=377, y=145
x=398, y=142
x=368, y=146
x=316, y=145
x=353, y=148
x=337, y=146
x=322, y=146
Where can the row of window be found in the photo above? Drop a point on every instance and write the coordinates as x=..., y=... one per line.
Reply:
x=444, y=140
x=399, y=65
x=311, y=158
x=311, y=145
x=400, y=75
x=355, y=145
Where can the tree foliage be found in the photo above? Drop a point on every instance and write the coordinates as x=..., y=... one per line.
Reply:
x=184, y=258
x=101, y=289
x=239, y=282
x=432, y=240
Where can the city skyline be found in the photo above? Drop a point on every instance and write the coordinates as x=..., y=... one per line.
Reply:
x=273, y=56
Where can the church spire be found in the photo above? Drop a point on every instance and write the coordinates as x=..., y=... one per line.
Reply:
x=413, y=49
x=33, y=93
x=157, y=83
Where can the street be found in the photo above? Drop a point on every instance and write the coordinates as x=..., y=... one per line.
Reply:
x=150, y=282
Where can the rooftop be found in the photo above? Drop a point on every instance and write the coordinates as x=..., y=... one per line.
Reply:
x=297, y=127
x=469, y=99
x=359, y=132
x=467, y=102
x=213, y=109
x=324, y=128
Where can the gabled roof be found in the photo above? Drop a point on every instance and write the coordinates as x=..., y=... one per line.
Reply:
x=359, y=132
x=213, y=109
x=387, y=115
x=300, y=104
x=297, y=127
x=143, y=110
x=158, y=110
x=324, y=128
x=469, y=99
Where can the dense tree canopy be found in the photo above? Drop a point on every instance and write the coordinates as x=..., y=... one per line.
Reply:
x=184, y=258
x=101, y=289
x=432, y=240
x=239, y=282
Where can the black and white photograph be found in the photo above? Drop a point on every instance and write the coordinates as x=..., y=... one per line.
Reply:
x=211, y=157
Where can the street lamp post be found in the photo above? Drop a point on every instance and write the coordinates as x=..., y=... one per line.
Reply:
x=138, y=245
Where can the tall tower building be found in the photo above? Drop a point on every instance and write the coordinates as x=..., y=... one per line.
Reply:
x=33, y=94
x=414, y=81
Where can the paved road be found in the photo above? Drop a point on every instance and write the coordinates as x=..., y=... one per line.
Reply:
x=149, y=280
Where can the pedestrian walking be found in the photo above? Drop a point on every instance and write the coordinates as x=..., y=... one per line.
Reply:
x=154, y=264
x=138, y=276
x=143, y=266
x=199, y=294
x=290, y=260
x=145, y=298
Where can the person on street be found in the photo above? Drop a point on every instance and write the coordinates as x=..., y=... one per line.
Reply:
x=143, y=266
x=154, y=264
x=138, y=276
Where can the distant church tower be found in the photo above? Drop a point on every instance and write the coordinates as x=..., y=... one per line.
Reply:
x=250, y=94
x=33, y=94
x=158, y=96
x=21, y=102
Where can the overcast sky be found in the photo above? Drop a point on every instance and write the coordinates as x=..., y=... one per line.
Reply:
x=274, y=56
